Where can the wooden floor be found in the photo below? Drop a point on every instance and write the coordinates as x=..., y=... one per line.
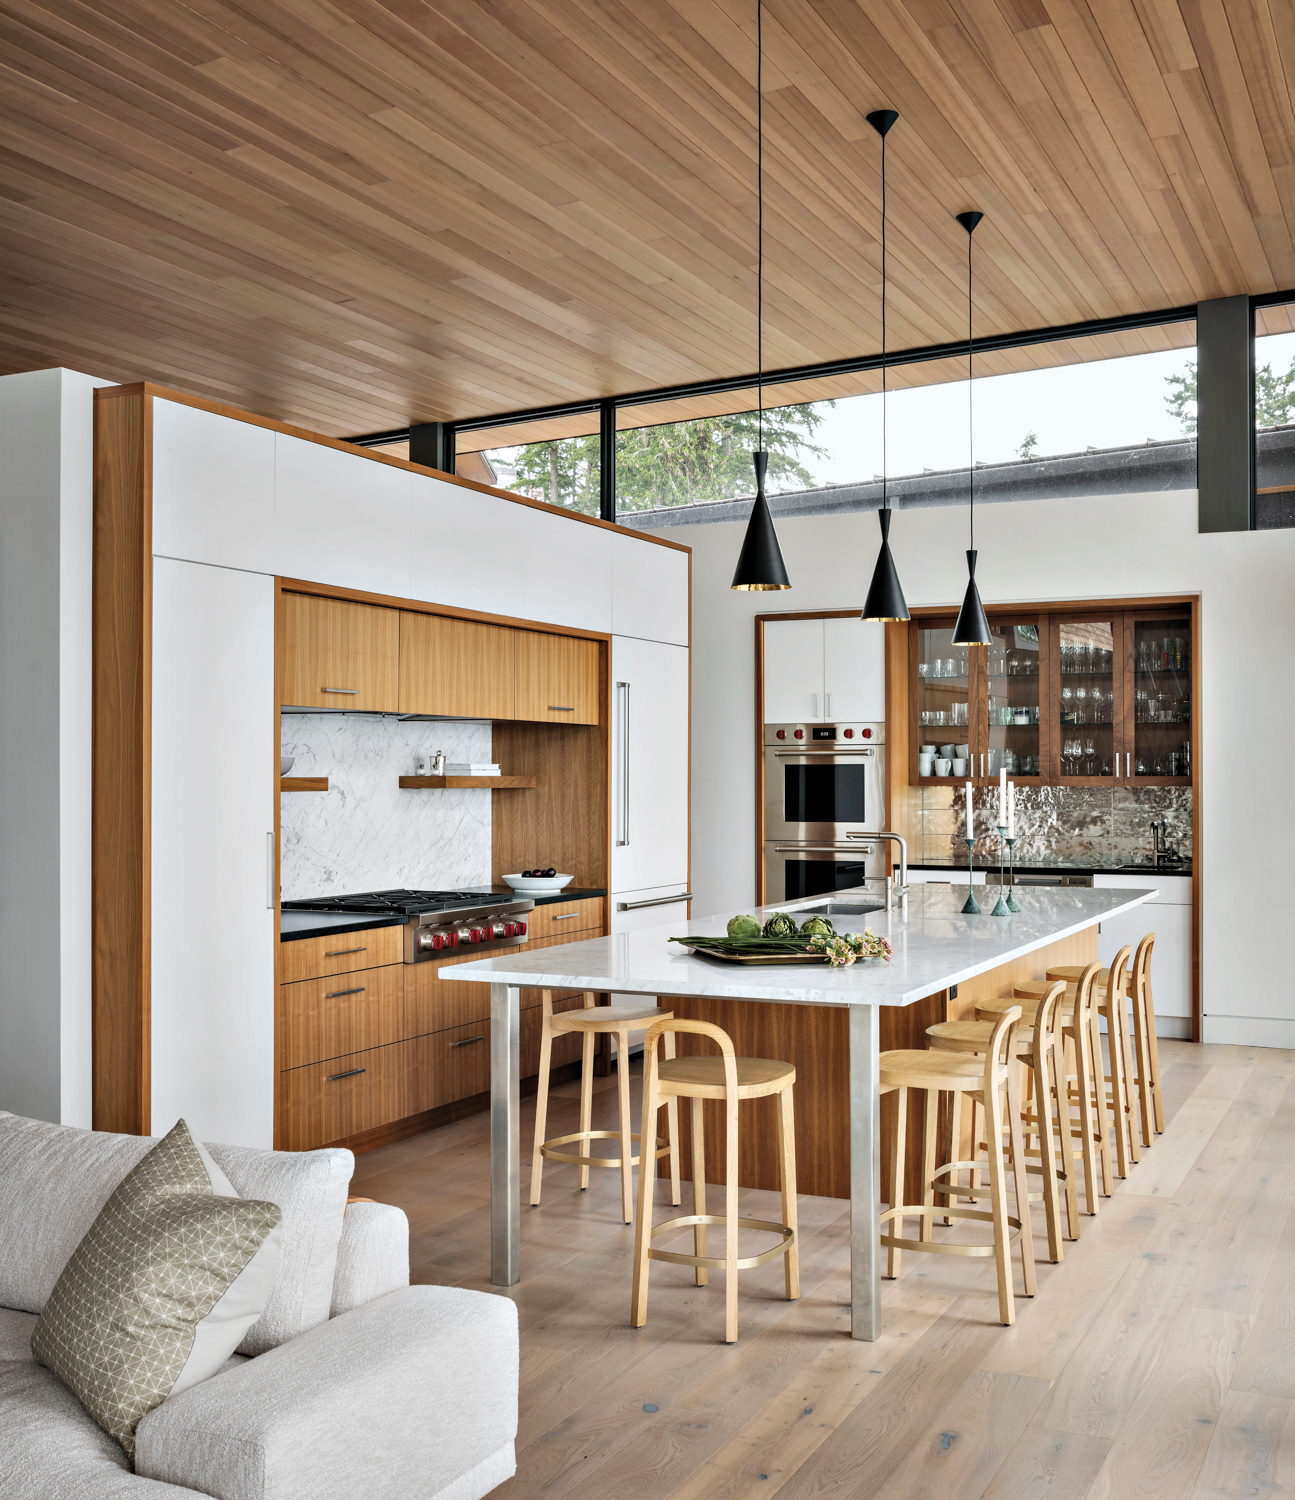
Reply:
x=1157, y=1361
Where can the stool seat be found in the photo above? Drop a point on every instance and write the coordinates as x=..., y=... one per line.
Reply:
x=702, y=1077
x=1071, y=972
x=904, y=1069
x=990, y=1010
x=609, y=1018
x=973, y=1036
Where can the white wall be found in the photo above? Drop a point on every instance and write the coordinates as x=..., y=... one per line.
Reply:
x=47, y=422
x=1135, y=545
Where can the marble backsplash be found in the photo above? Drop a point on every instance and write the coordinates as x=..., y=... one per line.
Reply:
x=1106, y=825
x=365, y=833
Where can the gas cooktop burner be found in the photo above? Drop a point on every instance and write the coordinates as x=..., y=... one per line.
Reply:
x=404, y=903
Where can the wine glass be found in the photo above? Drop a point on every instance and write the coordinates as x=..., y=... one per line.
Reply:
x=1090, y=754
x=1081, y=704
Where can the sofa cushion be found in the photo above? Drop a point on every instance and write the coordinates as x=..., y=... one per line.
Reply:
x=15, y=1333
x=166, y=1282
x=372, y=1257
x=50, y=1449
x=57, y=1178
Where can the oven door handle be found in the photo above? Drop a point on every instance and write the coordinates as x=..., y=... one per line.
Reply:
x=835, y=750
x=824, y=848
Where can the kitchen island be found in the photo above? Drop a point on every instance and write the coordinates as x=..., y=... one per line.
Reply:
x=935, y=949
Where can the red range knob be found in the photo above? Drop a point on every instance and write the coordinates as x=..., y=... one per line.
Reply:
x=438, y=940
x=849, y=734
x=475, y=935
x=782, y=734
x=510, y=929
x=451, y=940
x=521, y=929
x=800, y=734
x=867, y=734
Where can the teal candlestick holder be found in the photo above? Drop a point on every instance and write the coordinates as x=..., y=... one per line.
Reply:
x=1011, y=877
x=1002, y=909
x=972, y=907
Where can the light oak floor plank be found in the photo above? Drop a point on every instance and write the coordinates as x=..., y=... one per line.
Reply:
x=1155, y=1361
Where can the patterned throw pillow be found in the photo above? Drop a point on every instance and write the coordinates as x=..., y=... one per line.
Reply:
x=159, y=1293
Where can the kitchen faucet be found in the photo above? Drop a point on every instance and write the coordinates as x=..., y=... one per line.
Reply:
x=1160, y=849
x=901, y=890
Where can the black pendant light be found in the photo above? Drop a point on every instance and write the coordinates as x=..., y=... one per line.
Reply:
x=885, y=603
x=972, y=628
x=759, y=564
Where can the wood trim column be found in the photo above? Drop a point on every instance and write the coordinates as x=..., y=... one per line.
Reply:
x=121, y=758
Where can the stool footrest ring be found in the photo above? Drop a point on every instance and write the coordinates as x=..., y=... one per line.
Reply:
x=940, y=1211
x=716, y=1262
x=549, y=1154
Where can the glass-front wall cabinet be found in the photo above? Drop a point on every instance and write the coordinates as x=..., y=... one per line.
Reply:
x=1013, y=700
x=1085, y=698
x=943, y=704
x=1089, y=698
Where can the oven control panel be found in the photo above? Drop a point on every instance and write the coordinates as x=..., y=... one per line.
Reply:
x=844, y=736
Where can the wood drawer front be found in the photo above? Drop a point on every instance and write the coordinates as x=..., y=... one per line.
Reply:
x=340, y=953
x=557, y=678
x=318, y=1106
x=435, y=1004
x=460, y=668
x=448, y=1065
x=561, y=920
x=326, y=1018
x=336, y=654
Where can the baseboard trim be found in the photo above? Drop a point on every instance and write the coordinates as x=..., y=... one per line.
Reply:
x=445, y=1114
x=1249, y=1031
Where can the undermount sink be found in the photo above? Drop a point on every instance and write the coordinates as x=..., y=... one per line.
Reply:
x=854, y=908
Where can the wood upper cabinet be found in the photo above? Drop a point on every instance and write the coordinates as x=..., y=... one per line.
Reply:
x=340, y=655
x=557, y=678
x=460, y=668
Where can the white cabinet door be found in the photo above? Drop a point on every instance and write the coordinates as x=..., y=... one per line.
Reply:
x=214, y=764
x=854, y=670
x=213, y=488
x=1169, y=916
x=340, y=518
x=649, y=590
x=478, y=551
x=649, y=764
x=793, y=671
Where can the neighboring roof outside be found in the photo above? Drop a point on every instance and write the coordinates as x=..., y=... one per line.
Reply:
x=1145, y=468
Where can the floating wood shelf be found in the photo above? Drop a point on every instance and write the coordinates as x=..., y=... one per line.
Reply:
x=444, y=783
x=303, y=783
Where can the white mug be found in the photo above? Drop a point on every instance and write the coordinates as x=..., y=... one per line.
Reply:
x=964, y=753
x=942, y=766
x=959, y=767
x=925, y=763
x=927, y=750
x=948, y=751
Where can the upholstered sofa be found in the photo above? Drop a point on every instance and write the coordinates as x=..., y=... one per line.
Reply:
x=352, y=1383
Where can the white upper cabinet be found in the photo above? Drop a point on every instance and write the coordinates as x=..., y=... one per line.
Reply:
x=793, y=671
x=340, y=518
x=649, y=764
x=213, y=488
x=474, y=550
x=854, y=670
x=649, y=590
x=824, y=669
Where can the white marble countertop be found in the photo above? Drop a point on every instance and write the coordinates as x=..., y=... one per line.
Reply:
x=933, y=946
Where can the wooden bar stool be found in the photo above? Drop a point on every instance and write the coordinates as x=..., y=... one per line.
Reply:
x=1075, y=1019
x=730, y=1079
x=993, y=1079
x=1110, y=1000
x=595, y=1020
x=1039, y=1048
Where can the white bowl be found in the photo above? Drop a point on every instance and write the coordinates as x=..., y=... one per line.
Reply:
x=537, y=885
x=286, y=764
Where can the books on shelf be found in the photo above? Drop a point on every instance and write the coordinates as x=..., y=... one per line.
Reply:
x=471, y=768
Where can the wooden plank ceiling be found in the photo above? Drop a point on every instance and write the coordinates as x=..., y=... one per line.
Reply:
x=353, y=214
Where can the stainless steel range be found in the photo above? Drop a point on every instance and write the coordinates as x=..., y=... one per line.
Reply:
x=437, y=922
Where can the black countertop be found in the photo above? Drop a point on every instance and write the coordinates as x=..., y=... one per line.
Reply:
x=1054, y=867
x=295, y=925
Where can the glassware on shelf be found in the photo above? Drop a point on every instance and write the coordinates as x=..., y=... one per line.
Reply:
x=1081, y=704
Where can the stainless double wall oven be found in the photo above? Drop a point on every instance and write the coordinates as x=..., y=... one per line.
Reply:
x=825, y=794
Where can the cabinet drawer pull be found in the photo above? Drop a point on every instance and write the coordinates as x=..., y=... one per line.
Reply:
x=333, y=1077
x=468, y=1041
x=333, y=994
x=562, y=708
x=687, y=895
x=342, y=952
x=566, y=916
x=350, y=692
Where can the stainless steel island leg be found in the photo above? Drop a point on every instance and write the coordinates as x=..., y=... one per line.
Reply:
x=505, y=1135
x=865, y=1174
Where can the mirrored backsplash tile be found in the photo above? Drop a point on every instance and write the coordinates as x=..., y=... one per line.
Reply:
x=1058, y=824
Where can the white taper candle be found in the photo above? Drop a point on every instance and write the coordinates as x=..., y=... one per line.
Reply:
x=1011, y=809
x=970, y=833
x=1002, y=797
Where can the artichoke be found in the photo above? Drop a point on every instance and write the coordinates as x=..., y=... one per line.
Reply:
x=743, y=927
x=811, y=925
x=780, y=925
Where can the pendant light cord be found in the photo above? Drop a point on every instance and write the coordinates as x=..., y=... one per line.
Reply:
x=759, y=194
x=885, y=466
x=971, y=415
